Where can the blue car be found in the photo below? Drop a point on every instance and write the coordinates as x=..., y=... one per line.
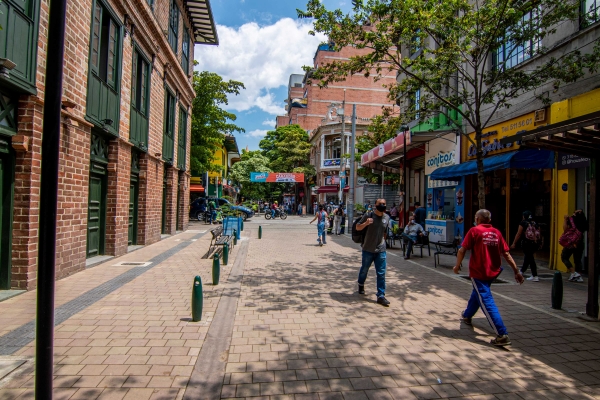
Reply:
x=199, y=206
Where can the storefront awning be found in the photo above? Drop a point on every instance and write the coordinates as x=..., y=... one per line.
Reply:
x=532, y=159
x=196, y=188
x=331, y=189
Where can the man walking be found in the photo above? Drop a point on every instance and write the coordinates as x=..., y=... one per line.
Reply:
x=373, y=248
x=419, y=214
x=487, y=245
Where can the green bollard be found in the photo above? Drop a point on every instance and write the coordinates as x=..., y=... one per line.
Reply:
x=197, y=299
x=260, y=232
x=234, y=237
x=242, y=225
x=216, y=272
x=557, y=291
x=225, y=253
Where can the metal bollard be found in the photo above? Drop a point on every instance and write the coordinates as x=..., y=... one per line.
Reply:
x=216, y=272
x=197, y=300
x=260, y=232
x=235, y=237
x=557, y=291
x=225, y=253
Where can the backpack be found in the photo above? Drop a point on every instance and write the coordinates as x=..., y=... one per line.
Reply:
x=359, y=236
x=533, y=233
x=571, y=236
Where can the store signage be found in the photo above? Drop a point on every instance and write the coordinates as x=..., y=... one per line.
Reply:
x=388, y=147
x=333, y=162
x=441, y=152
x=276, y=177
x=490, y=139
x=569, y=161
x=437, y=230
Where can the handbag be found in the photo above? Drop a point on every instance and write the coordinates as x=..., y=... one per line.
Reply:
x=571, y=236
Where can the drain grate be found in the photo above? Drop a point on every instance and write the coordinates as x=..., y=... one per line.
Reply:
x=496, y=281
x=132, y=264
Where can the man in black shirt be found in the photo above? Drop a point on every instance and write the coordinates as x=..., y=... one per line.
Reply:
x=419, y=214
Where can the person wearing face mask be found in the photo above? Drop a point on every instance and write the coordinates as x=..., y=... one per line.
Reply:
x=373, y=248
x=411, y=232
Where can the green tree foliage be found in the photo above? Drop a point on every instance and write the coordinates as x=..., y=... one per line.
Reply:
x=210, y=122
x=252, y=161
x=452, y=43
x=288, y=150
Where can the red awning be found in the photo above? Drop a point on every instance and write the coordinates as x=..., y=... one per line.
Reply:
x=196, y=188
x=331, y=189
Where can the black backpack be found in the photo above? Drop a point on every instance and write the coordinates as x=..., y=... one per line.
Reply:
x=359, y=236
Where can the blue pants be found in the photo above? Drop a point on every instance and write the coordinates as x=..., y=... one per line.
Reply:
x=213, y=216
x=322, y=232
x=379, y=259
x=482, y=297
x=273, y=214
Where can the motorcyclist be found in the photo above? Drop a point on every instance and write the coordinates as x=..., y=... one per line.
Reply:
x=273, y=208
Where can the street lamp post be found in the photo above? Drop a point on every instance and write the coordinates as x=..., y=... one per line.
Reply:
x=350, y=198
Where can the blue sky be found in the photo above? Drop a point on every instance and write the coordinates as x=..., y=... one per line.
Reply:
x=262, y=42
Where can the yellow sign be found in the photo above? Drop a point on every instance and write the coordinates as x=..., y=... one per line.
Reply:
x=490, y=140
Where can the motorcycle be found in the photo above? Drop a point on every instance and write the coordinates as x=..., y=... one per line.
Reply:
x=278, y=213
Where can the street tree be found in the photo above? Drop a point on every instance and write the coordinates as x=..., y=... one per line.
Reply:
x=251, y=161
x=288, y=150
x=210, y=121
x=443, y=51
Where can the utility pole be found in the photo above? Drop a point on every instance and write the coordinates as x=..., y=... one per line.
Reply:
x=44, y=337
x=343, y=151
x=351, y=178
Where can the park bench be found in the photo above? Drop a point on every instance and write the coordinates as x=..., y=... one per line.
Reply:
x=219, y=240
x=444, y=249
x=422, y=241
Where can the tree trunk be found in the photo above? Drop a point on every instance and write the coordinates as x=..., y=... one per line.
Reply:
x=480, y=173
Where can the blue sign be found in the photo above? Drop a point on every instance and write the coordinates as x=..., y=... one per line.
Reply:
x=258, y=176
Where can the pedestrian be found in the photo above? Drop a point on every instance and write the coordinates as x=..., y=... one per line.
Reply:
x=373, y=248
x=337, y=220
x=412, y=231
x=299, y=209
x=212, y=211
x=394, y=212
x=573, y=243
x=487, y=245
x=529, y=234
x=321, y=217
x=419, y=214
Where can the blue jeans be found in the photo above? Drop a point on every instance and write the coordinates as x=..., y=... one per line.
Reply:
x=322, y=232
x=273, y=214
x=380, y=264
x=481, y=296
x=213, y=216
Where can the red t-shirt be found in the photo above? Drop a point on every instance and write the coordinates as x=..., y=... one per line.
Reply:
x=487, y=246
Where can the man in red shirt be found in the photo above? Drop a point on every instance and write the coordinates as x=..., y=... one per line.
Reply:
x=487, y=245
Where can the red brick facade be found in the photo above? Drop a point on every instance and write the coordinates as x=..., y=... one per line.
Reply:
x=145, y=28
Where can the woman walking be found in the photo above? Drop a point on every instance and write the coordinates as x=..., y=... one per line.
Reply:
x=573, y=244
x=529, y=234
x=337, y=220
x=321, y=217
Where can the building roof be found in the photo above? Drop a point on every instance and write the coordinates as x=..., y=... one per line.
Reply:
x=231, y=144
x=203, y=22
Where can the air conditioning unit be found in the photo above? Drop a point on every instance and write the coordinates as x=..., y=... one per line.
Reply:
x=540, y=115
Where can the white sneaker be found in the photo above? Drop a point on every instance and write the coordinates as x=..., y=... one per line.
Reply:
x=533, y=279
x=572, y=276
x=578, y=278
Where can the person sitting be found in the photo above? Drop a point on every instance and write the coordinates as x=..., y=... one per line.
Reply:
x=411, y=233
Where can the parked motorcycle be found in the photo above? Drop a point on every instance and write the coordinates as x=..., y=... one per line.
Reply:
x=278, y=213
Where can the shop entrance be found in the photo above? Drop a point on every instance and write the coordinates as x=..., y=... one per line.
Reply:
x=163, y=224
x=133, y=199
x=6, y=201
x=97, y=197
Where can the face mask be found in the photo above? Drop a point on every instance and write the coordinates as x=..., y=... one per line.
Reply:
x=380, y=207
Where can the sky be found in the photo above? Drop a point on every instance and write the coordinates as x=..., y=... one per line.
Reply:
x=262, y=42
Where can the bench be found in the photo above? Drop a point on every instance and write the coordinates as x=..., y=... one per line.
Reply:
x=219, y=240
x=422, y=241
x=444, y=249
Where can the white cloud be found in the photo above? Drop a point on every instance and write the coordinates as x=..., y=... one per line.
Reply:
x=258, y=133
x=262, y=57
x=269, y=123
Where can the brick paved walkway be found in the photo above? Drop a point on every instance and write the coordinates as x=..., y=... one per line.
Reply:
x=301, y=331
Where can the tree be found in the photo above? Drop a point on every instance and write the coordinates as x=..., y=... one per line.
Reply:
x=252, y=161
x=443, y=51
x=288, y=150
x=210, y=122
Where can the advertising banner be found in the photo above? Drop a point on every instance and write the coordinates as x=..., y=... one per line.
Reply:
x=442, y=152
x=568, y=161
x=276, y=177
x=388, y=147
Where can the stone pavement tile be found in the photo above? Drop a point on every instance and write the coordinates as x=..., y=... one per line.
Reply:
x=576, y=394
x=137, y=381
x=166, y=394
x=281, y=376
x=362, y=383
x=307, y=396
x=544, y=394
x=240, y=377
x=401, y=393
x=378, y=394
x=113, y=394
x=331, y=396
x=446, y=390
x=85, y=394
x=87, y=381
x=9, y=394
x=384, y=382
x=328, y=373
x=508, y=396
x=64, y=381
x=424, y=392
x=467, y=388
x=139, y=394
x=306, y=374
x=489, y=387
x=228, y=391
x=263, y=377
x=247, y=390
x=293, y=387
x=320, y=385
x=271, y=388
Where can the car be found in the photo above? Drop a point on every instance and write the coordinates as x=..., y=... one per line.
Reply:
x=199, y=206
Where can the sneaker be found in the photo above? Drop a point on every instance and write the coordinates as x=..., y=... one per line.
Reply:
x=502, y=340
x=573, y=276
x=533, y=279
x=464, y=319
x=407, y=257
x=361, y=289
x=578, y=278
x=383, y=301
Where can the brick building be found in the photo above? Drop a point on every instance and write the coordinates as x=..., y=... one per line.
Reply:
x=125, y=138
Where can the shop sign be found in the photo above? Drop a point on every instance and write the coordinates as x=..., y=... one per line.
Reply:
x=490, y=140
x=276, y=177
x=441, y=152
x=569, y=161
x=437, y=230
x=333, y=162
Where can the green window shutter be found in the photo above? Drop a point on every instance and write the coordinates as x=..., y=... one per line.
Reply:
x=96, y=33
x=144, y=86
x=181, y=139
x=168, y=137
x=173, y=25
x=134, y=78
x=112, y=56
x=185, y=52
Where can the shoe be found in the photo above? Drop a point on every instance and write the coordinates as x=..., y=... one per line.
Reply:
x=578, y=279
x=533, y=279
x=407, y=257
x=361, y=289
x=573, y=276
x=464, y=319
x=502, y=340
x=383, y=301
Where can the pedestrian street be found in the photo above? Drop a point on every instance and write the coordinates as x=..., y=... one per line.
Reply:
x=286, y=322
